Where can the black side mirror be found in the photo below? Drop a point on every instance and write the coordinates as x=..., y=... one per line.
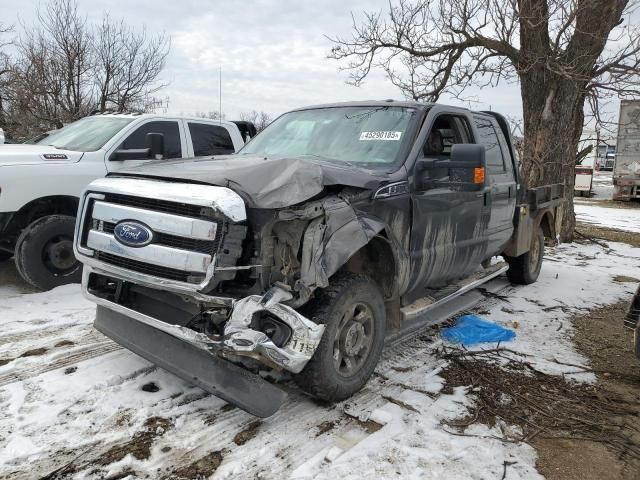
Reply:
x=463, y=157
x=468, y=155
x=155, y=145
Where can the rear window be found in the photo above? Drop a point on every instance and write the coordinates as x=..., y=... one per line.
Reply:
x=210, y=140
x=489, y=138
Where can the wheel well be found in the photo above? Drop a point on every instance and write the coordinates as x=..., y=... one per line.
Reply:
x=377, y=261
x=41, y=207
x=548, y=225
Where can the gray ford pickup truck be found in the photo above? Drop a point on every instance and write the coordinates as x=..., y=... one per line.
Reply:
x=332, y=230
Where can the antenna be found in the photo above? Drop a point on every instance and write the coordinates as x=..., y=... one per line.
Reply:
x=220, y=99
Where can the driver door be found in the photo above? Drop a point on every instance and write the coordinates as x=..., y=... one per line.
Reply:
x=448, y=234
x=174, y=143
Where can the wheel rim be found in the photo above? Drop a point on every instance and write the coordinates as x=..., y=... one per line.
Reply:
x=58, y=255
x=353, y=340
x=535, y=255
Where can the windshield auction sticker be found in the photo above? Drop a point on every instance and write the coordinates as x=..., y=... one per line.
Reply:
x=388, y=136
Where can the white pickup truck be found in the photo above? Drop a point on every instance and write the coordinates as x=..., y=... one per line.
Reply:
x=41, y=182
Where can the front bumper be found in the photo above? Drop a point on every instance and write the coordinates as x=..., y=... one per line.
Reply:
x=203, y=360
x=191, y=363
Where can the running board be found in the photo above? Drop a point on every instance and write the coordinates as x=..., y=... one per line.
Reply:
x=423, y=305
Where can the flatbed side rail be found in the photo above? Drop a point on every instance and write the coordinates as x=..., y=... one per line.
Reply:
x=544, y=196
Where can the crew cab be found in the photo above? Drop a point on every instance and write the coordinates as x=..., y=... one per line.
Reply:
x=41, y=182
x=335, y=228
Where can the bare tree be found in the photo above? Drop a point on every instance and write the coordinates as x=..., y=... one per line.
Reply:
x=563, y=53
x=128, y=64
x=259, y=119
x=6, y=74
x=65, y=68
x=53, y=71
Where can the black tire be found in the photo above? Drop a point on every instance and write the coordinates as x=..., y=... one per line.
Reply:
x=349, y=297
x=525, y=269
x=5, y=255
x=44, y=253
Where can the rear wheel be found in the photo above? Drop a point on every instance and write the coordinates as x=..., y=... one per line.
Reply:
x=352, y=309
x=44, y=253
x=525, y=269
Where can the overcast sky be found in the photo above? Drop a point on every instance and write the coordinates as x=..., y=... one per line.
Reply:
x=272, y=52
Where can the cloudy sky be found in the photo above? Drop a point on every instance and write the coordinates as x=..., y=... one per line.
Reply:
x=272, y=52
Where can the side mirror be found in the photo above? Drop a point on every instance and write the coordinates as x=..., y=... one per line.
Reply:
x=463, y=157
x=155, y=145
x=468, y=155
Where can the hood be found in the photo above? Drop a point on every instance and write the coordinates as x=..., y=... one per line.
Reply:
x=21, y=154
x=263, y=182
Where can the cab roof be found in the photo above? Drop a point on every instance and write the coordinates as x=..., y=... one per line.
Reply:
x=372, y=103
x=161, y=116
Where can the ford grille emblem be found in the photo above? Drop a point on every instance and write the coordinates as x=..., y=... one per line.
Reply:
x=133, y=234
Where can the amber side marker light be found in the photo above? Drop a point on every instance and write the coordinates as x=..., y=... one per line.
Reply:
x=478, y=175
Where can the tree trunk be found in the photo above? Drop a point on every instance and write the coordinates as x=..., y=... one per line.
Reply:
x=553, y=98
x=553, y=118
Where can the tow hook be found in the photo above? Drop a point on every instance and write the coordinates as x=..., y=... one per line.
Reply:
x=241, y=339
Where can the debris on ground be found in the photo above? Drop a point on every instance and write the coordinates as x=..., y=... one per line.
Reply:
x=471, y=330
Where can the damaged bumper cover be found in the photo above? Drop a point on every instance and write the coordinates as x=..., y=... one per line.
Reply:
x=201, y=360
x=241, y=339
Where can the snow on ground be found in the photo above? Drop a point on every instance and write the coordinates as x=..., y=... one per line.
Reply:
x=68, y=394
x=627, y=219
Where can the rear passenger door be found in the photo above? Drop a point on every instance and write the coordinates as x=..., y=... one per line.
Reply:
x=208, y=139
x=501, y=182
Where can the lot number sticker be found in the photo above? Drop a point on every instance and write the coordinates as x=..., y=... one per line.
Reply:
x=388, y=136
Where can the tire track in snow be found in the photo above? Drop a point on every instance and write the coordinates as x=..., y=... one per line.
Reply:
x=204, y=430
x=86, y=352
x=36, y=334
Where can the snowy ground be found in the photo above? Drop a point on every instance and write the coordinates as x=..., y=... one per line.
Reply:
x=68, y=394
x=626, y=219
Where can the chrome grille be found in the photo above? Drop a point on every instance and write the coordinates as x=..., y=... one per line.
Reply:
x=182, y=209
x=202, y=246
x=149, y=269
x=182, y=249
x=188, y=230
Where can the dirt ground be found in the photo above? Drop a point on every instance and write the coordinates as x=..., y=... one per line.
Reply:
x=608, y=203
x=586, y=232
x=601, y=337
x=580, y=431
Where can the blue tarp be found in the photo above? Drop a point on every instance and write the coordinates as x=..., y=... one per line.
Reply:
x=470, y=330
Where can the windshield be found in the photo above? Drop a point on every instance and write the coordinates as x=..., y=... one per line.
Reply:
x=367, y=136
x=86, y=135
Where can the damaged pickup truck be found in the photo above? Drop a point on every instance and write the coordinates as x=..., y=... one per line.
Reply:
x=333, y=229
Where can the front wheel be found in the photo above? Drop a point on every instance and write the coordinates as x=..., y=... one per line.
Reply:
x=44, y=253
x=525, y=269
x=353, y=311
